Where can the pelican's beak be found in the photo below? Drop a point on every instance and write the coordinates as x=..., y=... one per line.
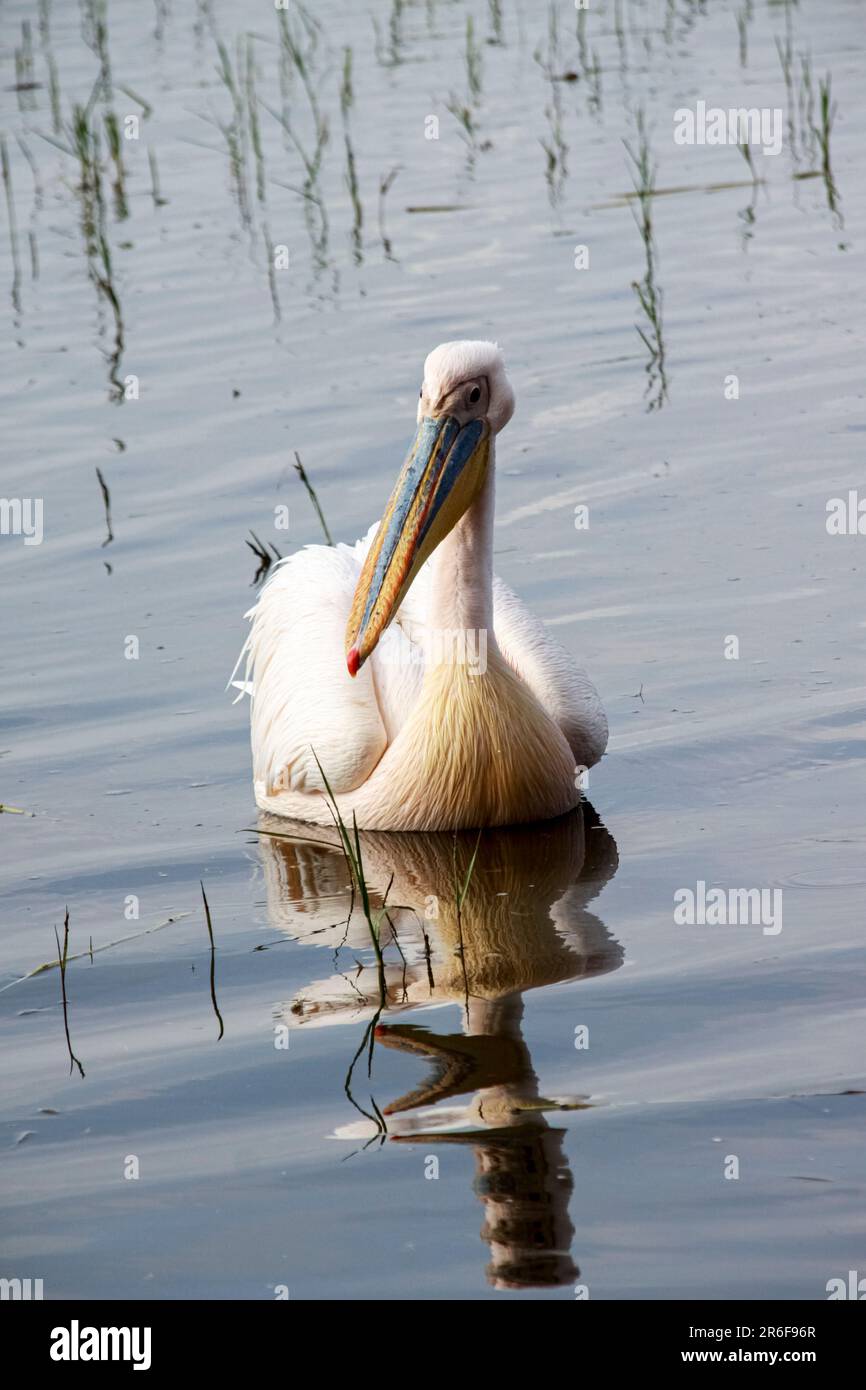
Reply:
x=441, y=477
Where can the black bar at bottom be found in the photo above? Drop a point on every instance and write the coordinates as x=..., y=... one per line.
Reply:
x=66, y=1338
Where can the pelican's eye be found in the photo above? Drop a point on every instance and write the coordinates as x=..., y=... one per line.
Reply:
x=475, y=395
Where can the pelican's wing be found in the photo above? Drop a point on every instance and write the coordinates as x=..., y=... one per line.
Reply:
x=551, y=673
x=305, y=705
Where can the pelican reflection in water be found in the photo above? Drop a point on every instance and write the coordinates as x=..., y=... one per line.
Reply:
x=524, y=923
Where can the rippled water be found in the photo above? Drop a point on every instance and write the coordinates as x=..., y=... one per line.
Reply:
x=487, y=1149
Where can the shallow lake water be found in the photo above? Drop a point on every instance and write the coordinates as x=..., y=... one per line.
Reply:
x=568, y=1089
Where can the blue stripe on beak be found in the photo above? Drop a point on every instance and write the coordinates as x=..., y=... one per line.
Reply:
x=430, y=434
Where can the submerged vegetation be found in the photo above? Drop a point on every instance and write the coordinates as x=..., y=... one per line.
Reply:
x=12, y=224
x=648, y=292
x=212, y=977
x=265, y=554
x=285, y=208
x=554, y=145
x=62, y=959
x=827, y=108
x=302, y=474
x=465, y=108
x=106, y=502
x=275, y=94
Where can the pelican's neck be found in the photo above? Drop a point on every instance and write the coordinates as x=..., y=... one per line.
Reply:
x=462, y=596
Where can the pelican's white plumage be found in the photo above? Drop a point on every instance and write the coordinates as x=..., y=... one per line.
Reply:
x=412, y=742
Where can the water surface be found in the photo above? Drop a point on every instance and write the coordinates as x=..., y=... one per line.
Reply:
x=485, y=1155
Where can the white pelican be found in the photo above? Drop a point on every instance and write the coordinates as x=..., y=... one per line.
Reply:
x=442, y=706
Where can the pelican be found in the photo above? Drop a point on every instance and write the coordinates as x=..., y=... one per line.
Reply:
x=400, y=672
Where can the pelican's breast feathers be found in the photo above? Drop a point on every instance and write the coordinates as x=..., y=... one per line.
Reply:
x=436, y=744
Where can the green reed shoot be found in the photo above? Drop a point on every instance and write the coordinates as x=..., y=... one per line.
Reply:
x=62, y=958
x=253, y=118
x=13, y=225
x=213, y=996
x=25, y=82
x=554, y=145
x=806, y=106
x=473, y=61
x=155, y=192
x=648, y=293
x=496, y=32
x=827, y=114
x=354, y=195
x=311, y=492
x=347, y=95
x=742, y=17
x=115, y=150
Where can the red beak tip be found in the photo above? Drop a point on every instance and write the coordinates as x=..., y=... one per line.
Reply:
x=353, y=661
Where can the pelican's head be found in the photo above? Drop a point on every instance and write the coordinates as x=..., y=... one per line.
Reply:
x=465, y=399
